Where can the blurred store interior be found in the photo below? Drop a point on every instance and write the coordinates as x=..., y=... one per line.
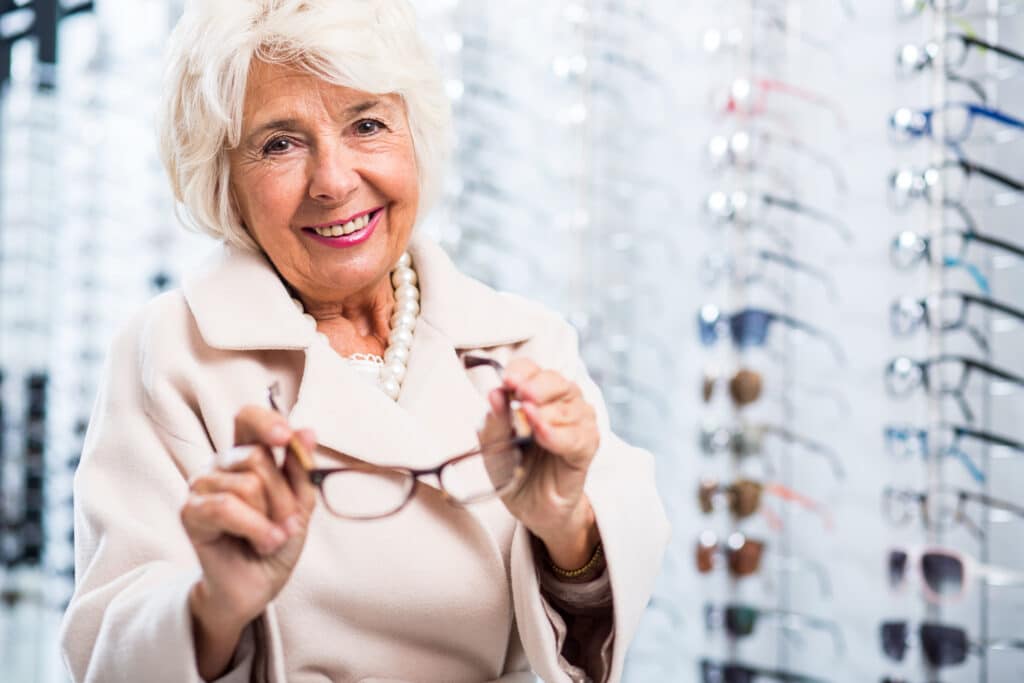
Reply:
x=789, y=233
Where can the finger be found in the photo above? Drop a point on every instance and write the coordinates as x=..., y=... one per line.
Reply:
x=496, y=425
x=246, y=485
x=575, y=441
x=208, y=517
x=518, y=371
x=547, y=386
x=281, y=499
x=256, y=424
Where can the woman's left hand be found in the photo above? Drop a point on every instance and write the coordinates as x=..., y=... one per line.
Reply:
x=550, y=502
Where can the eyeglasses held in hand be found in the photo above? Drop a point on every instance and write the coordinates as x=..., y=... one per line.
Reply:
x=363, y=491
x=740, y=621
x=744, y=208
x=744, y=499
x=743, y=558
x=747, y=268
x=942, y=645
x=946, y=573
x=945, y=312
x=732, y=672
x=749, y=327
x=748, y=439
x=904, y=441
x=944, y=508
x=903, y=375
x=953, y=176
x=957, y=121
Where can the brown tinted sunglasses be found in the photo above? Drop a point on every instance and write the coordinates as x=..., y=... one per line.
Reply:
x=743, y=555
x=744, y=498
x=744, y=386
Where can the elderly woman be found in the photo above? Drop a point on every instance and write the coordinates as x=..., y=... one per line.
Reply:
x=343, y=538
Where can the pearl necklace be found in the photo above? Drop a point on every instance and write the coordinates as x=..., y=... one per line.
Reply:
x=403, y=323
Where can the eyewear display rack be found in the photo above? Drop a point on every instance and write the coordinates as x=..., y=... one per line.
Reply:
x=762, y=359
x=955, y=82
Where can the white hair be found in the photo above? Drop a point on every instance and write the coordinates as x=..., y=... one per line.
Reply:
x=368, y=45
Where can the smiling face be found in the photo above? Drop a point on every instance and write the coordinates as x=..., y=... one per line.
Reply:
x=314, y=156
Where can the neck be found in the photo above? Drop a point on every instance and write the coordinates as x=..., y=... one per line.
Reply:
x=358, y=324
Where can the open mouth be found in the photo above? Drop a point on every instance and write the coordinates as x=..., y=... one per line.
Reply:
x=349, y=229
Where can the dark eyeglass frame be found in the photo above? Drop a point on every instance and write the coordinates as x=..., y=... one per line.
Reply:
x=907, y=314
x=943, y=645
x=921, y=367
x=749, y=327
x=732, y=672
x=522, y=438
x=920, y=246
x=740, y=621
x=714, y=266
x=730, y=207
x=897, y=506
x=908, y=184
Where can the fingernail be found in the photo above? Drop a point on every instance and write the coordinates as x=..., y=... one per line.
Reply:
x=280, y=432
x=276, y=538
x=293, y=525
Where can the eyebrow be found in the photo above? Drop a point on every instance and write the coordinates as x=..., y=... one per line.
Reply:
x=290, y=123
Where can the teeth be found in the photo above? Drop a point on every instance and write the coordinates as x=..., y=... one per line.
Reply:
x=346, y=229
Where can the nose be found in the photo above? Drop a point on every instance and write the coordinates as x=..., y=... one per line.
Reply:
x=333, y=175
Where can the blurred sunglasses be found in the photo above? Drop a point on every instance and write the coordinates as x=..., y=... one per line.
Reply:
x=942, y=645
x=748, y=439
x=744, y=499
x=946, y=573
x=747, y=268
x=744, y=386
x=740, y=621
x=903, y=441
x=744, y=208
x=953, y=176
x=731, y=672
x=943, y=508
x=945, y=312
x=956, y=119
x=749, y=327
x=743, y=558
x=903, y=375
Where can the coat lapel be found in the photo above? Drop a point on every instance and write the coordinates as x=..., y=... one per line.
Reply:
x=240, y=303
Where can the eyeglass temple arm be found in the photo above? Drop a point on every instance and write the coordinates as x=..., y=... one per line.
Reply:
x=991, y=174
x=816, y=214
x=809, y=445
x=991, y=502
x=995, y=115
x=800, y=266
x=797, y=324
x=992, y=370
x=793, y=143
x=793, y=496
x=992, y=242
x=998, y=49
x=990, y=303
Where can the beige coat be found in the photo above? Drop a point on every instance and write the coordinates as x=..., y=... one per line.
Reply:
x=434, y=593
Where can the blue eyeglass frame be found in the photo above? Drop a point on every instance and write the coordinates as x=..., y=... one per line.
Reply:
x=925, y=128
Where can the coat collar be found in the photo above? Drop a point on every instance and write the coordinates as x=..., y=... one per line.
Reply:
x=240, y=303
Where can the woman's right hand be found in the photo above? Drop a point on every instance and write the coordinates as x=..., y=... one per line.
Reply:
x=247, y=520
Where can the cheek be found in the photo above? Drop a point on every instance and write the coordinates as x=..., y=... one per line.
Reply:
x=271, y=195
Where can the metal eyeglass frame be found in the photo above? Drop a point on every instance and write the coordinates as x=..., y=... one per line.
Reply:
x=898, y=507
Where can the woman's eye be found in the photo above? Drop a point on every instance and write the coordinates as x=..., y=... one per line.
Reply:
x=368, y=127
x=277, y=146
